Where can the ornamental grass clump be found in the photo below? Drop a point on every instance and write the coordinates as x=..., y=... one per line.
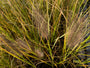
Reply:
x=44, y=33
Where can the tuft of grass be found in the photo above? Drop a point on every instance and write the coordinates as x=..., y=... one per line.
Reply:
x=44, y=32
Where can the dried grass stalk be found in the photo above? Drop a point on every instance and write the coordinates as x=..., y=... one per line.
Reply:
x=40, y=23
x=76, y=31
x=19, y=46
